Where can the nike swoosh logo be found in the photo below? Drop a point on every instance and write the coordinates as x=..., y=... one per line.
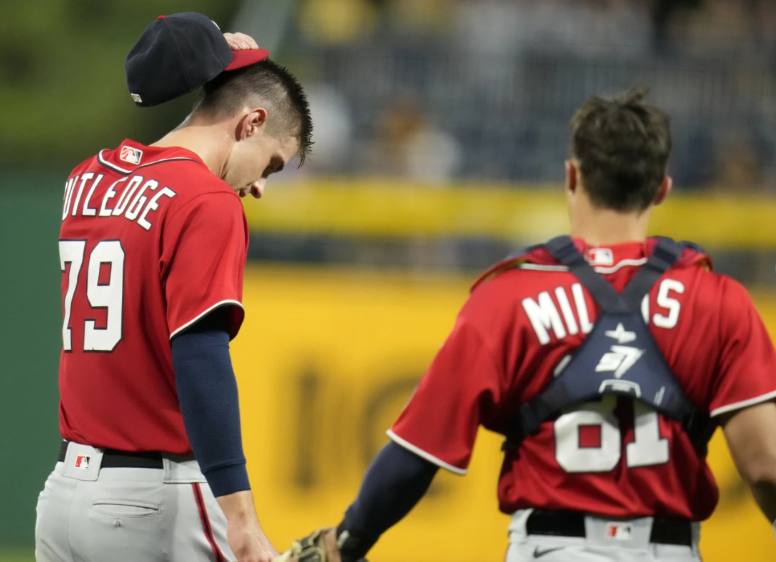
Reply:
x=539, y=553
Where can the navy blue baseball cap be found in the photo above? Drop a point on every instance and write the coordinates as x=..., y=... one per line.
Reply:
x=177, y=54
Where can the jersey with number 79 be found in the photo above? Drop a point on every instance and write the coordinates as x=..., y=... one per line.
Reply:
x=151, y=241
x=613, y=457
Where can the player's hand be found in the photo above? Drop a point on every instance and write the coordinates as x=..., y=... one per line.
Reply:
x=248, y=541
x=250, y=544
x=240, y=41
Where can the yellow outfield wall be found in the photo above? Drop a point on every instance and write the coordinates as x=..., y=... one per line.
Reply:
x=525, y=212
x=327, y=358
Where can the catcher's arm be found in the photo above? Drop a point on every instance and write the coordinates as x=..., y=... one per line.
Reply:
x=396, y=480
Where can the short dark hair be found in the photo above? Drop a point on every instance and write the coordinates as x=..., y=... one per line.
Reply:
x=276, y=86
x=622, y=146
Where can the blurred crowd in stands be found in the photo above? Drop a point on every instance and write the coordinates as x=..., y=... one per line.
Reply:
x=482, y=90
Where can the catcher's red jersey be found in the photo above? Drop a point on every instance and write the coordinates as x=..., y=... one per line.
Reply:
x=150, y=242
x=612, y=457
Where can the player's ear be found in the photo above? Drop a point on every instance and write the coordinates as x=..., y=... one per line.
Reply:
x=251, y=124
x=571, y=177
x=665, y=188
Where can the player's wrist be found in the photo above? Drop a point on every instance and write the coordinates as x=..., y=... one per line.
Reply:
x=353, y=547
x=239, y=509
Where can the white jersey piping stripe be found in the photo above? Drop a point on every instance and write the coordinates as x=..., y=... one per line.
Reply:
x=109, y=165
x=535, y=267
x=165, y=160
x=743, y=404
x=613, y=269
x=189, y=323
x=123, y=171
x=423, y=454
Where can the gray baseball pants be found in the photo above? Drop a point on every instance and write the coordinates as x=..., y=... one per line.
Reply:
x=89, y=514
x=628, y=541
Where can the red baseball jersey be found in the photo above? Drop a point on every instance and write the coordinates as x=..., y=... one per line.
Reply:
x=151, y=241
x=613, y=457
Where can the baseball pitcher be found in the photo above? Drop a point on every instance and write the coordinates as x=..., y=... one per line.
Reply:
x=152, y=251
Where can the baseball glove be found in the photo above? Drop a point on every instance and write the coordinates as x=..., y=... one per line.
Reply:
x=318, y=546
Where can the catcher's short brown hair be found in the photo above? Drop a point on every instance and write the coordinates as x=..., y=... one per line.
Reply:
x=622, y=146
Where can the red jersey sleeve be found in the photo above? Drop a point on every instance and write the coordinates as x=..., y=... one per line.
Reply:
x=462, y=385
x=747, y=373
x=204, y=249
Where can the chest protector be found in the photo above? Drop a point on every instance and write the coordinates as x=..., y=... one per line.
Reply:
x=619, y=356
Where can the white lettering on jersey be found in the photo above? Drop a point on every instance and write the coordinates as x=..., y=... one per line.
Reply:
x=579, y=300
x=87, y=210
x=110, y=194
x=133, y=203
x=543, y=315
x=137, y=203
x=565, y=307
x=126, y=195
x=84, y=178
x=664, y=301
x=69, y=186
x=153, y=205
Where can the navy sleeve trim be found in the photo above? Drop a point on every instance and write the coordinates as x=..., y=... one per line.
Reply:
x=209, y=402
x=396, y=481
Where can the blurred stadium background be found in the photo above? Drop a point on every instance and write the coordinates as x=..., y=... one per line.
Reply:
x=441, y=127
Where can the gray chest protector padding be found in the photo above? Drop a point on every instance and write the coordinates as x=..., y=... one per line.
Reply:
x=619, y=356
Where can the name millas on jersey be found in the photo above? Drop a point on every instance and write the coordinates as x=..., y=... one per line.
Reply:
x=557, y=315
x=138, y=197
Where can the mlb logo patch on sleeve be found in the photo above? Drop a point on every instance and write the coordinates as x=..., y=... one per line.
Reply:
x=82, y=462
x=131, y=155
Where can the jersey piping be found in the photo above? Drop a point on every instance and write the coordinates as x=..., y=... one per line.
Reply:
x=112, y=166
x=599, y=269
x=200, y=316
x=423, y=454
x=743, y=404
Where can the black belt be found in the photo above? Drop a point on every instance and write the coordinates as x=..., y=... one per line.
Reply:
x=572, y=524
x=111, y=458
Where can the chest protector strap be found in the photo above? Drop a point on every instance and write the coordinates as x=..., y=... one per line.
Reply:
x=619, y=356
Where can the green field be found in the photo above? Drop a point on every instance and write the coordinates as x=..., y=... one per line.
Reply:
x=17, y=555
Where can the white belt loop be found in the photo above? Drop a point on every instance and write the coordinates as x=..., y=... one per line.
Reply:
x=517, y=527
x=181, y=470
x=82, y=462
x=695, y=533
x=632, y=534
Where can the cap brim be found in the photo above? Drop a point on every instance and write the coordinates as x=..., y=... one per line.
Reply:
x=246, y=58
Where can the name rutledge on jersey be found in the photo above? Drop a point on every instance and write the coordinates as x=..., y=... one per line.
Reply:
x=138, y=198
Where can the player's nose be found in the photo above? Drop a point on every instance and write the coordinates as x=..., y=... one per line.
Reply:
x=257, y=188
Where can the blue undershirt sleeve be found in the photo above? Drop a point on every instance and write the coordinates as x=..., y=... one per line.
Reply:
x=207, y=394
x=396, y=480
